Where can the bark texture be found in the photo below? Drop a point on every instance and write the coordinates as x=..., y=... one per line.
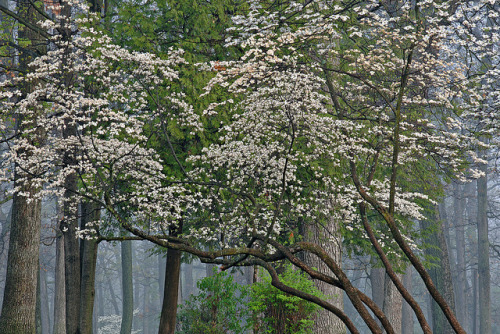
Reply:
x=328, y=238
x=127, y=288
x=407, y=312
x=461, y=283
x=483, y=264
x=88, y=248
x=60, y=290
x=71, y=262
x=170, y=298
x=393, y=303
x=44, y=302
x=20, y=296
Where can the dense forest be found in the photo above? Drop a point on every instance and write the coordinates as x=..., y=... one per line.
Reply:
x=232, y=166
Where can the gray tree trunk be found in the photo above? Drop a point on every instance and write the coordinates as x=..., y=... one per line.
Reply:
x=88, y=248
x=44, y=302
x=127, y=288
x=20, y=295
x=407, y=313
x=377, y=280
x=145, y=304
x=483, y=264
x=38, y=311
x=170, y=299
x=60, y=290
x=328, y=238
x=461, y=283
x=475, y=302
x=72, y=260
x=393, y=303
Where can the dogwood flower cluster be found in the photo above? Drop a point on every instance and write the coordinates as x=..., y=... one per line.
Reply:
x=321, y=86
x=99, y=106
x=478, y=36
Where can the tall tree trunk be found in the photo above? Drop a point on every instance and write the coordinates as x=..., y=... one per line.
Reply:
x=170, y=299
x=461, y=283
x=471, y=254
x=44, y=303
x=60, y=289
x=69, y=224
x=377, y=279
x=393, y=303
x=72, y=259
x=20, y=294
x=475, y=303
x=328, y=238
x=38, y=310
x=4, y=244
x=19, y=302
x=127, y=288
x=88, y=249
x=407, y=317
x=377, y=282
x=145, y=305
x=483, y=264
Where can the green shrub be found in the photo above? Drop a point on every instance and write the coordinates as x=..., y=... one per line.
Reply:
x=219, y=308
x=283, y=313
x=224, y=307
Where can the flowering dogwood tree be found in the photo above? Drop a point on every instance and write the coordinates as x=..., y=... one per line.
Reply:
x=334, y=110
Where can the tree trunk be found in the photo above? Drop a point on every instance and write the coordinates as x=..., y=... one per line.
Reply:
x=483, y=263
x=145, y=304
x=60, y=290
x=69, y=226
x=127, y=288
x=4, y=244
x=20, y=294
x=38, y=310
x=377, y=280
x=461, y=283
x=72, y=260
x=475, y=301
x=328, y=238
x=19, y=302
x=393, y=303
x=407, y=317
x=88, y=248
x=172, y=274
x=44, y=303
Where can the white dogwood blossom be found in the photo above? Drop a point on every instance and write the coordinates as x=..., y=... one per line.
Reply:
x=114, y=100
x=319, y=87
